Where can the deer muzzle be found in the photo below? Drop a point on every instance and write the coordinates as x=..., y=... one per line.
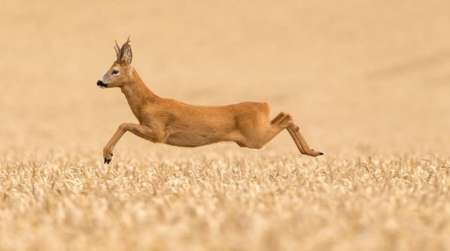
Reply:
x=101, y=84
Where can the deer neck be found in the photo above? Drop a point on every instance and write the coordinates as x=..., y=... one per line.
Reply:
x=138, y=95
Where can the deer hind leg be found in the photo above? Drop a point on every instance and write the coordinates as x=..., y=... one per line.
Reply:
x=284, y=121
x=278, y=118
x=300, y=142
x=257, y=136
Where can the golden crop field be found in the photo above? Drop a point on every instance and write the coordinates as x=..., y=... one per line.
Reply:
x=367, y=81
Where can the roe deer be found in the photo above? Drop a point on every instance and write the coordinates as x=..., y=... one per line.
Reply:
x=168, y=121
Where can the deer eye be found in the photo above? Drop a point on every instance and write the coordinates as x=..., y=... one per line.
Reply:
x=115, y=72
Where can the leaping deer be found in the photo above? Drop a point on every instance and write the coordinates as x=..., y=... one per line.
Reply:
x=168, y=121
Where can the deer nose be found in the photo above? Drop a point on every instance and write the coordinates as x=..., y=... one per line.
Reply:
x=101, y=84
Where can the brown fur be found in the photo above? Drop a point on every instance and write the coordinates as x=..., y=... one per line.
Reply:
x=172, y=122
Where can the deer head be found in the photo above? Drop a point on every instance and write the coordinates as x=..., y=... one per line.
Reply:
x=120, y=73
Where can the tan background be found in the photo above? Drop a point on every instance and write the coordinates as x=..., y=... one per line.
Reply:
x=371, y=75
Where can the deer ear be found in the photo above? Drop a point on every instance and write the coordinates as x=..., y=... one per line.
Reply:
x=126, y=55
x=117, y=50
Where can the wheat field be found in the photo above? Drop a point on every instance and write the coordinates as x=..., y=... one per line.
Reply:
x=367, y=81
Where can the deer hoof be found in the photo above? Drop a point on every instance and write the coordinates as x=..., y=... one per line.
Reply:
x=107, y=155
x=314, y=153
x=107, y=161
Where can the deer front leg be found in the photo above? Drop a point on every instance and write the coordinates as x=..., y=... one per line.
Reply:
x=138, y=130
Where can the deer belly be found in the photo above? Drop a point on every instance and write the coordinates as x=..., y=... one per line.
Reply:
x=190, y=139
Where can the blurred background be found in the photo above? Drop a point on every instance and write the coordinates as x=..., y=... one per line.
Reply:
x=359, y=76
